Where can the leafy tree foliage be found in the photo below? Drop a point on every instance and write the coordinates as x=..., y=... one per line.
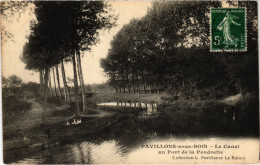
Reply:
x=10, y=9
x=33, y=87
x=62, y=31
x=169, y=48
x=12, y=83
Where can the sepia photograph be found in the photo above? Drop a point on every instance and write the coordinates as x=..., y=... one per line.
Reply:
x=130, y=82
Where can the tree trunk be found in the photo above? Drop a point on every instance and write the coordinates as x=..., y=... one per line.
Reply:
x=48, y=83
x=50, y=88
x=55, y=90
x=143, y=82
x=150, y=89
x=67, y=93
x=158, y=89
x=83, y=93
x=14, y=92
x=133, y=80
x=69, y=89
x=129, y=89
x=58, y=80
x=75, y=85
x=41, y=84
x=46, y=79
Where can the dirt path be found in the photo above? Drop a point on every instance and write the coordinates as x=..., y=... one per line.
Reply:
x=21, y=128
x=33, y=117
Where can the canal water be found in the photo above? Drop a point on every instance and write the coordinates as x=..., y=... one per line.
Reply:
x=81, y=153
x=122, y=143
x=114, y=152
x=150, y=109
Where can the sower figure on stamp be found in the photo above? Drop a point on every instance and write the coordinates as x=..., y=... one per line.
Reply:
x=225, y=26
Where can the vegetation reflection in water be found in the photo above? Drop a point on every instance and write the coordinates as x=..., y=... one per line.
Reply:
x=206, y=120
x=150, y=109
x=113, y=152
x=84, y=152
x=118, y=143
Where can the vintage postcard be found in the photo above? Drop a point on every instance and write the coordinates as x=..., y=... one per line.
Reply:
x=130, y=82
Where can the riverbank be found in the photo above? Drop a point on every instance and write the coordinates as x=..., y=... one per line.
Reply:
x=222, y=115
x=128, y=97
x=18, y=130
x=183, y=118
x=12, y=108
x=165, y=99
x=46, y=136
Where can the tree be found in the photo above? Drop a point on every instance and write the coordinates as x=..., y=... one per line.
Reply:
x=41, y=51
x=84, y=21
x=13, y=83
x=171, y=40
x=87, y=32
x=50, y=87
x=66, y=89
x=54, y=82
x=80, y=21
x=10, y=9
x=34, y=58
x=58, y=80
x=32, y=87
x=243, y=72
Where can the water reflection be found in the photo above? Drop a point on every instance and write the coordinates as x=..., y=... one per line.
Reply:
x=150, y=108
x=29, y=161
x=81, y=153
x=119, y=143
x=112, y=152
x=230, y=112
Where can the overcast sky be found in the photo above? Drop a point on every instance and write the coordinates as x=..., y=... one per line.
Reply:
x=92, y=72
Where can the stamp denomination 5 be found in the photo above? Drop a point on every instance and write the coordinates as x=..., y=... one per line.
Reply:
x=228, y=29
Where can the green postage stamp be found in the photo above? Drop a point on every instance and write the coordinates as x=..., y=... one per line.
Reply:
x=228, y=29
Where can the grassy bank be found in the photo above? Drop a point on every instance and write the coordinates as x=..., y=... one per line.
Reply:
x=12, y=108
x=182, y=118
x=160, y=99
x=178, y=117
x=176, y=99
x=126, y=97
x=91, y=128
x=233, y=115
